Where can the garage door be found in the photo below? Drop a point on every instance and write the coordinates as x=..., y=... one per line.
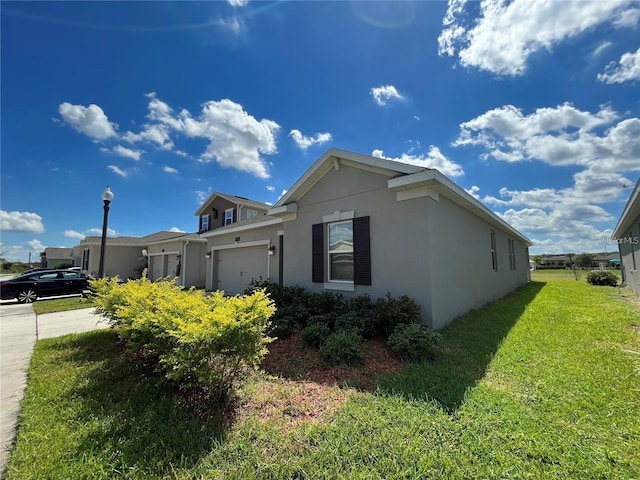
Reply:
x=237, y=267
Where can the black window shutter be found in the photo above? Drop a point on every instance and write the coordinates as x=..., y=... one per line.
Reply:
x=200, y=224
x=361, y=251
x=317, y=252
x=235, y=216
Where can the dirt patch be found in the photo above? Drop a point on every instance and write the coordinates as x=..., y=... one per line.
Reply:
x=289, y=358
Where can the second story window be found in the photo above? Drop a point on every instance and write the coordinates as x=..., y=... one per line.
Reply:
x=228, y=216
x=204, y=223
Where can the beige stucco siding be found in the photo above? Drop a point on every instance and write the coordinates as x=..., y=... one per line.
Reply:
x=119, y=260
x=398, y=235
x=461, y=263
x=629, y=249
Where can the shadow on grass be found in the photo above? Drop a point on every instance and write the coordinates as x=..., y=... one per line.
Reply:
x=468, y=346
x=128, y=417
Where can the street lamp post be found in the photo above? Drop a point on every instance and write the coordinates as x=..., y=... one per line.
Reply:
x=107, y=196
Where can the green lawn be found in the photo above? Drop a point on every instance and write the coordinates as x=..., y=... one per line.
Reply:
x=542, y=384
x=61, y=304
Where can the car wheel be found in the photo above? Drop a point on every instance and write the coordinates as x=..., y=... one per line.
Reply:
x=27, y=296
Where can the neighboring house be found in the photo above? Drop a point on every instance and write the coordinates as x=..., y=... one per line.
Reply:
x=222, y=209
x=627, y=235
x=54, y=257
x=165, y=254
x=355, y=224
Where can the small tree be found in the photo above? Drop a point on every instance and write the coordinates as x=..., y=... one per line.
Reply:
x=585, y=260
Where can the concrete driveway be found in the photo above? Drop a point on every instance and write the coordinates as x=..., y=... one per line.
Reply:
x=20, y=327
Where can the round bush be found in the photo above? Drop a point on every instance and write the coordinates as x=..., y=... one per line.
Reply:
x=315, y=334
x=413, y=342
x=343, y=348
x=602, y=277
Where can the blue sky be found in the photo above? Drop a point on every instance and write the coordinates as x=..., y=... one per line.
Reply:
x=531, y=106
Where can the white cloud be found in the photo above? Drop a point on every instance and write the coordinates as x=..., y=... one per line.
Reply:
x=20, y=222
x=169, y=169
x=558, y=136
x=124, y=152
x=201, y=196
x=90, y=120
x=153, y=133
x=176, y=230
x=383, y=94
x=238, y=3
x=433, y=159
x=36, y=245
x=74, y=234
x=231, y=24
x=117, y=171
x=97, y=232
x=271, y=188
x=505, y=34
x=627, y=69
x=473, y=191
x=303, y=142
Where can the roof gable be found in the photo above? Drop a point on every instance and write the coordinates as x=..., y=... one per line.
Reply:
x=235, y=199
x=334, y=158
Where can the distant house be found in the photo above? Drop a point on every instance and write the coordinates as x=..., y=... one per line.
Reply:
x=627, y=235
x=355, y=224
x=164, y=254
x=54, y=257
x=222, y=209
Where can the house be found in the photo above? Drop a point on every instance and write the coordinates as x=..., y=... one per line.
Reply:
x=222, y=209
x=54, y=257
x=627, y=235
x=355, y=224
x=164, y=254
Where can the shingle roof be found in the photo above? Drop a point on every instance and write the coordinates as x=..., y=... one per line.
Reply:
x=143, y=241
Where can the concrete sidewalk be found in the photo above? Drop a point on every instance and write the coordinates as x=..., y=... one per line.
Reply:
x=20, y=327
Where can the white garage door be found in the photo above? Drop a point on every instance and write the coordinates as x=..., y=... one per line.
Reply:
x=237, y=267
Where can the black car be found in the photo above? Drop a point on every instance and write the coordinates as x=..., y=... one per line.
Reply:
x=27, y=287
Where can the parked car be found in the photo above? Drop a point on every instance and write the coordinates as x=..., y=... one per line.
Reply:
x=27, y=287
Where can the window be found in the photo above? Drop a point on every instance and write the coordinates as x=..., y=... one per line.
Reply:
x=251, y=213
x=204, y=223
x=340, y=252
x=494, y=256
x=343, y=248
x=512, y=254
x=85, y=259
x=228, y=216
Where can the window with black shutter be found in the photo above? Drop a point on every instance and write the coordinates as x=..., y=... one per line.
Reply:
x=317, y=252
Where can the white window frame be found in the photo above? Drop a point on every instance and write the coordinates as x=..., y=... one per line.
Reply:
x=329, y=252
x=228, y=215
x=205, y=223
x=512, y=254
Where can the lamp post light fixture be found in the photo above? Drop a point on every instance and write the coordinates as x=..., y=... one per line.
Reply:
x=107, y=196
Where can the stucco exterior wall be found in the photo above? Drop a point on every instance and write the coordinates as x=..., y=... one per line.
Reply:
x=118, y=260
x=461, y=264
x=397, y=231
x=629, y=248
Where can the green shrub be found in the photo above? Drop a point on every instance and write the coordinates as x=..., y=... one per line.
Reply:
x=354, y=320
x=392, y=311
x=413, y=342
x=282, y=327
x=315, y=334
x=343, y=348
x=325, y=302
x=204, y=340
x=602, y=277
x=328, y=319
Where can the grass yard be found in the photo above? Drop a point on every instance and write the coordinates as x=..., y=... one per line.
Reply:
x=544, y=383
x=53, y=305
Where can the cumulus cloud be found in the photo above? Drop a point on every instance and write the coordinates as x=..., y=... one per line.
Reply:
x=176, y=230
x=238, y=3
x=95, y=232
x=271, y=188
x=557, y=136
x=118, y=171
x=20, y=222
x=124, y=152
x=303, y=142
x=169, y=169
x=383, y=94
x=626, y=70
x=90, y=121
x=433, y=159
x=231, y=24
x=505, y=34
x=74, y=234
